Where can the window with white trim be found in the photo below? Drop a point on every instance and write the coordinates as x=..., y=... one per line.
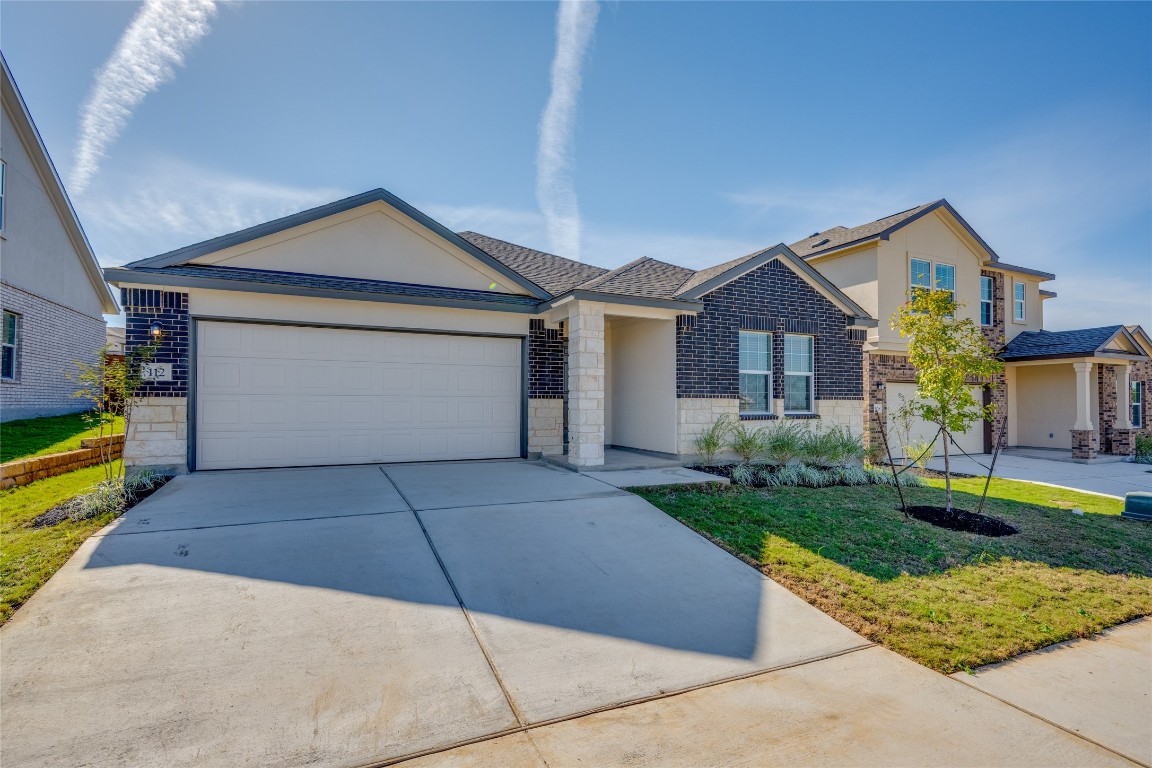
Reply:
x=920, y=274
x=1018, y=301
x=9, y=343
x=3, y=173
x=755, y=372
x=986, y=316
x=799, y=373
x=946, y=280
x=1137, y=403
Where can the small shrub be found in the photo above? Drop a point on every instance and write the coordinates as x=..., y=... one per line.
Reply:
x=812, y=477
x=918, y=453
x=788, y=476
x=711, y=441
x=853, y=475
x=746, y=442
x=785, y=442
x=744, y=474
x=1144, y=446
x=833, y=447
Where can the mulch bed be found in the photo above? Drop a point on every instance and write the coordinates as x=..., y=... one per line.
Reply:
x=63, y=512
x=959, y=520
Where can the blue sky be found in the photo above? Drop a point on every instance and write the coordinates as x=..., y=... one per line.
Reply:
x=703, y=130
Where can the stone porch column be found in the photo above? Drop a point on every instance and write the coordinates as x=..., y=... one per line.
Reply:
x=1123, y=438
x=1085, y=442
x=586, y=384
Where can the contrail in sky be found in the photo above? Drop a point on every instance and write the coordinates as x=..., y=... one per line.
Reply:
x=145, y=58
x=555, y=192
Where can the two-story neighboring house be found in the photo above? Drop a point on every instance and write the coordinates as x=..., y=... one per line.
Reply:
x=52, y=290
x=1081, y=391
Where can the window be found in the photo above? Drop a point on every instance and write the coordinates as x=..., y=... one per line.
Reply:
x=798, y=376
x=8, y=341
x=921, y=274
x=755, y=372
x=1137, y=403
x=3, y=169
x=1018, y=301
x=986, y=301
x=946, y=280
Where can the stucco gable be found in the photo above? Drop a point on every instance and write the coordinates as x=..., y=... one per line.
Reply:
x=372, y=236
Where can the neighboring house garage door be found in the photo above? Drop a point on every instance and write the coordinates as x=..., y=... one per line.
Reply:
x=287, y=396
x=921, y=431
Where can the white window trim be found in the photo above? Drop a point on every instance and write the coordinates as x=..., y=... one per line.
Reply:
x=1136, y=405
x=3, y=179
x=1022, y=317
x=810, y=374
x=15, y=346
x=751, y=371
x=990, y=301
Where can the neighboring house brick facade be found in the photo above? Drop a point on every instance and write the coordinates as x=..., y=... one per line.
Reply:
x=51, y=340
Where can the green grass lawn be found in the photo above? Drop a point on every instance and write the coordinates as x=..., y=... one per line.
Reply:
x=949, y=600
x=25, y=438
x=29, y=556
x=1036, y=494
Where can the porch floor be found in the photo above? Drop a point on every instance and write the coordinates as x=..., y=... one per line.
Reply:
x=621, y=459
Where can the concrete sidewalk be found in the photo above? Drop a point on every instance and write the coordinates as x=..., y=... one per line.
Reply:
x=1113, y=478
x=1099, y=688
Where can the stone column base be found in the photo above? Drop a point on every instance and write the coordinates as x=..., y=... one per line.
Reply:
x=158, y=435
x=1123, y=442
x=1085, y=443
x=546, y=426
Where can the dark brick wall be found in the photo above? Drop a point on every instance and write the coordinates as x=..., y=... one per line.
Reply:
x=994, y=333
x=144, y=306
x=771, y=298
x=547, y=348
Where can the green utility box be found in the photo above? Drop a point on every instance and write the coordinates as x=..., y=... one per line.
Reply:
x=1138, y=505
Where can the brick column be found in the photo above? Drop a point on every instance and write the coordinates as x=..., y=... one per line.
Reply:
x=1084, y=439
x=586, y=384
x=1123, y=436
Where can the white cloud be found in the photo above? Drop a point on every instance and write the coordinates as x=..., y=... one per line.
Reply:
x=169, y=203
x=145, y=58
x=555, y=190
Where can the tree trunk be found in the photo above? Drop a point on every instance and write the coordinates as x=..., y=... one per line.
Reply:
x=947, y=471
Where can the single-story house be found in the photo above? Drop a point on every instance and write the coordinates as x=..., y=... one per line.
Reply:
x=52, y=291
x=364, y=331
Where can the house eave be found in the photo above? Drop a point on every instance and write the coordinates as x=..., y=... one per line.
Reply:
x=121, y=275
x=617, y=298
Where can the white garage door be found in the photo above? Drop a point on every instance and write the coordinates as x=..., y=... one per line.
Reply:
x=288, y=396
x=921, y=431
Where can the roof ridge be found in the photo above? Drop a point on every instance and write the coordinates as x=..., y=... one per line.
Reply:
x=620, y=270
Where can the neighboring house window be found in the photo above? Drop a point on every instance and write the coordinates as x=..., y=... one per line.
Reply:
x=986, y=300
x=1137, y=402
x=946, y=280
x=798, y=373
x=1018, y=301
x=8, y=343
x=755, y=372
x=3, y=173
x=921, y=274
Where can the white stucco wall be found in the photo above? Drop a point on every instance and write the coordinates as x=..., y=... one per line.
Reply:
x=374, y=242
x=641, y=383
x=36, y=253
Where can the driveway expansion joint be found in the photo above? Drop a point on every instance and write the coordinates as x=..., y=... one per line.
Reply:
x=527, y=728
x=1052, y=723
x=460, y=601
x=117, y=532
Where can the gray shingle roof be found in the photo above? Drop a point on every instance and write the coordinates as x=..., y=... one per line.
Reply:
x=837, y=237
x=351, y=284
x=705, y=275
x=554, y=274
x=1085, y=341
x=643, y=277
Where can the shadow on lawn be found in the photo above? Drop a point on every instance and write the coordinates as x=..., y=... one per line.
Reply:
x=889, y=545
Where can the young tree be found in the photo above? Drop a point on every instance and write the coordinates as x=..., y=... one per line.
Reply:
x=949, y=353
x=110, y=384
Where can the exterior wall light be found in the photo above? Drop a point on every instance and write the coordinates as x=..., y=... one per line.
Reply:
x=157, y=331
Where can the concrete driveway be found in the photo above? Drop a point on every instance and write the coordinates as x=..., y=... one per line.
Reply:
x=474, y=613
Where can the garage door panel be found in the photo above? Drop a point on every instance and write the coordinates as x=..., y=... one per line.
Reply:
x=287, y=396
